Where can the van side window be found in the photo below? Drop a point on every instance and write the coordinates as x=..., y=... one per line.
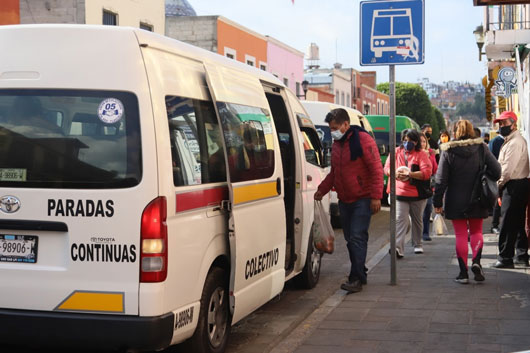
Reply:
x=249, y=141
x=196, y=143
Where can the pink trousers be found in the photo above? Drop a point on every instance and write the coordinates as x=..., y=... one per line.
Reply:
x=473, y=227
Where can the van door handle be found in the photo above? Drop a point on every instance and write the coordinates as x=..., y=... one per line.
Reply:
x=22, y=224
x=279, y=186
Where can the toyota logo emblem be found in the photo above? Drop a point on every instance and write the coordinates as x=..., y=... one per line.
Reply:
x=9, y=204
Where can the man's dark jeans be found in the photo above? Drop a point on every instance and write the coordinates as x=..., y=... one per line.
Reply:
x=355, y=219
x=427, y=218
x=512, y=236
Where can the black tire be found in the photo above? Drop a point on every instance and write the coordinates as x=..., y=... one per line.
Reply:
x=336, y=222
x=212, y=337
x=310, y=275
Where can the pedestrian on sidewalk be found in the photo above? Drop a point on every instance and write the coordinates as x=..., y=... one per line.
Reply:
x=427, y=130
x=444, y=137
x=357, y=175
x=456, y=180
x=514, y=189
x=413, y=172
x=495, y=148
x=428, y=206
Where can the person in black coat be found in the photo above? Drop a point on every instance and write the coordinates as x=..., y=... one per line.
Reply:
x=458, y=169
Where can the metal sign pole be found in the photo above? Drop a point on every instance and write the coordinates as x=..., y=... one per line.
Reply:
x=392, y=177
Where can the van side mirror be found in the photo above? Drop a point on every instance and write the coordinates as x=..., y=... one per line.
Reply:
x=382, y=149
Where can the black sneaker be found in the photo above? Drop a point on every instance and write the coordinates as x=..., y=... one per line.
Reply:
x=462, y=278
x=426, y=237
x=477, y=271
x=352, y=287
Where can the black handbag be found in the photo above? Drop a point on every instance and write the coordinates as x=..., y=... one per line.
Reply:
x=423, y=186
x=486, y=191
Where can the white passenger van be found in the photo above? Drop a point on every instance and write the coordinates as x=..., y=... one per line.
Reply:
x=317, y=113
x=151, y=192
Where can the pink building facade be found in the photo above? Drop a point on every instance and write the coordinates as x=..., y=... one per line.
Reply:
x=286, y=63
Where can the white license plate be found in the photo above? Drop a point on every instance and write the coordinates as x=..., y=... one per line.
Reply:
x=18, y=248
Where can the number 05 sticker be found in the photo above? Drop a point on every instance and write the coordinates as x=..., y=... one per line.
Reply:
x=110, y=110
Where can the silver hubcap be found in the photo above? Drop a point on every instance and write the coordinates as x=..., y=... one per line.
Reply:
x=217, y=317
x=315, y=260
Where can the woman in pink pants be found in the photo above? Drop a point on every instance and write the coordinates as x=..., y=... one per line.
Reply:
x=455, y=179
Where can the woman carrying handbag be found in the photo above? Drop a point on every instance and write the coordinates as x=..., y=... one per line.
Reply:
x=458, y=171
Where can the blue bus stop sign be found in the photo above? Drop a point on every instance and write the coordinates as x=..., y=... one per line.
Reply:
x=392, y=32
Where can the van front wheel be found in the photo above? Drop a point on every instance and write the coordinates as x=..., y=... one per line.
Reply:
x=310, y=275
x=213, y=327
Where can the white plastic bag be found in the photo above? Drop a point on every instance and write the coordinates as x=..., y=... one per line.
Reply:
x=323, y=234
x=438, y=225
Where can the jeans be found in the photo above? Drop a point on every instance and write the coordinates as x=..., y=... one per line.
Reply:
x=427, y=218
x=355, y=219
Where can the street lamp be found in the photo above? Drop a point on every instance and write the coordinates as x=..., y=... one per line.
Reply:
x=479, y=38
x=305, y=85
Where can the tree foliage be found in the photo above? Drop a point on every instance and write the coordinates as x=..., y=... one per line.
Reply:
x=472, y=111
x=412, y=101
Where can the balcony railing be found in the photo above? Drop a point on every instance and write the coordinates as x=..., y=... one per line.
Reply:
x=500, y=26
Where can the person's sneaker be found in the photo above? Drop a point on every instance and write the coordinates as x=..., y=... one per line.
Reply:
x=495, y=230
x=477, y=271
x=500, y=264
x=418, y=250
x=426, y=237
x=352, y=287
x=399, y=255
x=521, y=263
x=462, y=278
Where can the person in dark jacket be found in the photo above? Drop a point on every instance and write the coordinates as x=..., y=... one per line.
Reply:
x=455, y=179
x=357, y=175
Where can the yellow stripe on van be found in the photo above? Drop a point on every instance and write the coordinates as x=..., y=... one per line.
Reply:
x=254, y=192
x=94, y=301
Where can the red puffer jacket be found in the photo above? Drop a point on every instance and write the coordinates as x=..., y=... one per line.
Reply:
x=421, y=158
x=355, y=180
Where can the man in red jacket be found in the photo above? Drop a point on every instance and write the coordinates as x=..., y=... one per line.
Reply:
x=357, y=175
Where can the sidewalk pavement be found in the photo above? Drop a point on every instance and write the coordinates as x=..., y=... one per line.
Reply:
x=427, y=311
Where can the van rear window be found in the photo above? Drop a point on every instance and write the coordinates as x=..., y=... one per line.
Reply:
x=69, y=139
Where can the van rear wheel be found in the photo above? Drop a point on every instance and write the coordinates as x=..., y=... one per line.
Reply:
x=213, y=327
x=310, y=275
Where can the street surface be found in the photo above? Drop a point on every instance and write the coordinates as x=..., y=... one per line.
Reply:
x=262, y=330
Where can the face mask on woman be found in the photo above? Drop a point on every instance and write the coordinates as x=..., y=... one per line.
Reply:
x=444, y=139
x=408, y=145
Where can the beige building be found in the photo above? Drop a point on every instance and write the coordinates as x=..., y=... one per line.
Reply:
x=146, y=14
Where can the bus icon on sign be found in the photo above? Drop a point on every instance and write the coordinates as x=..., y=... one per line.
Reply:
x=392, y=31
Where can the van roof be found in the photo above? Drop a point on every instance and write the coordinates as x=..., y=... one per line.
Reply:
x=154, y=40
x=319, y=107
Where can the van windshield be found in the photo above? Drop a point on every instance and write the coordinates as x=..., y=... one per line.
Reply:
x=383, y=137
x=69, y=139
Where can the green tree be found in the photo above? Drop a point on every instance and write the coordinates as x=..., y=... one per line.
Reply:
x=412, y=101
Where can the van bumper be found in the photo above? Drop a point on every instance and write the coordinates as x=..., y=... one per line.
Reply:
x=93, y=331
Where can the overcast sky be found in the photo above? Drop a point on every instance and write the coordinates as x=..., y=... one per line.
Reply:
x=451, y=52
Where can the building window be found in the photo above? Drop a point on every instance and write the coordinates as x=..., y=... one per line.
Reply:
x=342, y=98
x=337, y=97
x=286, y=81
x=298, y=89
x=230, y=53
x=263, y=66
x=110, y=18
x=348, y=100
x=146, y=27
x=250, y=60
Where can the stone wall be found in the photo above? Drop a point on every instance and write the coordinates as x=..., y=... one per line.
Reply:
x=199, y=31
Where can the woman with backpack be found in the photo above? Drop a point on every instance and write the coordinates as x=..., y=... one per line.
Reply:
x=456, y=179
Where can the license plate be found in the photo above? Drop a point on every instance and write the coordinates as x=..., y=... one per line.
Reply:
x=12, y=174
x=18, y=248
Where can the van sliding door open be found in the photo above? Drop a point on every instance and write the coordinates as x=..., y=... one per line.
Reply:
x=257, y=212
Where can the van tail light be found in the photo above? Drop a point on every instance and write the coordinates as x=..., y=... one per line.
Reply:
x=153, y=242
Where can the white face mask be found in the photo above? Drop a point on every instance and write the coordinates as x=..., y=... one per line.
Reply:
x=337, y=135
